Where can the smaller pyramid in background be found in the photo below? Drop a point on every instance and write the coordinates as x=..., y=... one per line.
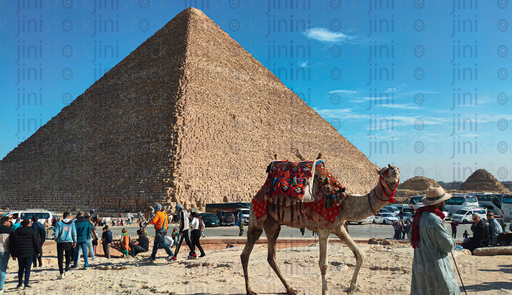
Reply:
x=483, y=181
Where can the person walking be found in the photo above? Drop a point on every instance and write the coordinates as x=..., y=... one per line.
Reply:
x=65, y=236
x=432, y=272
x=24, y=247
x=495, y=228
x=183, y=231
x=454, y=225
x=407, y=230
x=106, y=240
x=402, y=230
x=5, y=234
x=83, y=231
x=41, y=238
x=141, y=245
x=161, y=223
x=196, y=234
x=90, y=241
x=396, y=227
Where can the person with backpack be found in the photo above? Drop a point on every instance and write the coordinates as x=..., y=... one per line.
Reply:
x=65, y=236
x=83, y=231
x=41, y=238
x=161, y=222
x=183, y=232
x=24, y=247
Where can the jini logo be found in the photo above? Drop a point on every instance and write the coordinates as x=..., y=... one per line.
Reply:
x=464, y=147
x=27, y=5
x=102, y=5
x=29, y=25
x=377, y=5
x=464, y=98
x=464, y=4
x=284, y=25
x=381, y=51
x=464, y=50
x=29, y=73
x=291, y=73
x=381, y=25
x=105, y=51
x=25, y=123
x=380, y=73
x=382, y=98
x=459, y=125
x=29, y=50
x=457, y=176
x=464, y=74
x=382, y=124
x=381, y=146
x=25, y=98
x=465, y=25
x=288, y=51
x=106, y=25
x=294, y=5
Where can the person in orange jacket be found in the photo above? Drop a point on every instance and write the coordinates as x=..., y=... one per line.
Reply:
x=125, y=242
x=161, y=223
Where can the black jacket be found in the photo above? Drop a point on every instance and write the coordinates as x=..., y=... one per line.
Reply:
x=107, y=236
x=481, y=236
x=24, y=243
x=144, y=242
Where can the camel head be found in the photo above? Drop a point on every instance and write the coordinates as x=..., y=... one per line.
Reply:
x=391, y=174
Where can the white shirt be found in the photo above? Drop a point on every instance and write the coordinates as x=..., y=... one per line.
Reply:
x=194, y=224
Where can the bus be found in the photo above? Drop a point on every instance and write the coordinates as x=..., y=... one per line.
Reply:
x=416, y=202
x=459, y=201
x=491, y=202
x=506, y=207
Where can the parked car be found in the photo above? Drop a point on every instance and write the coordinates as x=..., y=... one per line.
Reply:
x=464, y=215
x=41, y=214
x=244, y=215
x=226, y=218
x=367, y=219
x=390, y=209
x=210, y=219
x=384, y=218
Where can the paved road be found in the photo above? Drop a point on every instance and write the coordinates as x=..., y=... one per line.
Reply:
x=366, y=230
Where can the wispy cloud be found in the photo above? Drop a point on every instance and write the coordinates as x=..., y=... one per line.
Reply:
x=407, y=106
x=324, y=35
x=343, y=91
x=303, y=64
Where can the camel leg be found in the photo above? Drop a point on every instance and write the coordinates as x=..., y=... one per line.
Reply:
x=253, y=234
x=358, y=253
x=272, y=229
x=323, y=237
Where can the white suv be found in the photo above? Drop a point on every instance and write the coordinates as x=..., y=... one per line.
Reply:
x=464, y=215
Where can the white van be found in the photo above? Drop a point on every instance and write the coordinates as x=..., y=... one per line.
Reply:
x=41, y=214
x=459, y=201
x=244, y=215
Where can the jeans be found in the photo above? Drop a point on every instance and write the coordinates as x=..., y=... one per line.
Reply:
x=159, y=242
x=82, y=245
x=64, y=249
x=89, y=248
x=4, y=258
x=24, y=265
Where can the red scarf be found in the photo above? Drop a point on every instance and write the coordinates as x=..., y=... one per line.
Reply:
x=415, y=240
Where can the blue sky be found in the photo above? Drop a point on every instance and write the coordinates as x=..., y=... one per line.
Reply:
x=424, y=85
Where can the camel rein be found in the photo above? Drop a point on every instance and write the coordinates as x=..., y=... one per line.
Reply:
x=390, y=197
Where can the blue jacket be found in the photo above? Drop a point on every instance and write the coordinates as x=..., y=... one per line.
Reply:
x=65, y=232
x=83, y=229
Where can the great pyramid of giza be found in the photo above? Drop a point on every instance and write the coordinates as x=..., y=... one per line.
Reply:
x=188, y=117
x=483, y=181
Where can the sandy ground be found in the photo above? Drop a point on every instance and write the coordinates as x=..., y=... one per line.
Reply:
x=386, y=270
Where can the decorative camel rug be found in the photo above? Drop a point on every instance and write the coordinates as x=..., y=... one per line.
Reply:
x=289, y=185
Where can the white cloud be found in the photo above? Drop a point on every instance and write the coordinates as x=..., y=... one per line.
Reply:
x=324, y=35
x=303, y=64
x=343, y=91
x=407, y=106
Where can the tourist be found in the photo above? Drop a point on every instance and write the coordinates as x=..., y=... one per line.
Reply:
x=175, y=235
x=5, y=233
x=106, y=240
x=396, y=227
x=125, y=243
x=402, y=230
x=24, y=247
x=495, y=229
x=407, y=230
x=83, y=231
x=454, y=225
x=17, y=224
x=432, y=271
x=47, y=227
x=141, y=245
x=161, y=223
x=480, y=234
x=240, y=227
x=465, y=236
x=65, y=236
x=94, y=240
x=90, y=241
x=41, y=238
x=196, y=234
x=202, y=226
x=183, y=231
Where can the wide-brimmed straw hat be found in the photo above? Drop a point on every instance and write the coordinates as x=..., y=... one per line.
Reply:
x=435, y=195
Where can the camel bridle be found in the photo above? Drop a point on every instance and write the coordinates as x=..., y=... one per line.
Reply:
x=390, y=197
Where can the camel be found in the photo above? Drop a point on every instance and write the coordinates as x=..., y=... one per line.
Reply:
x=354, y=207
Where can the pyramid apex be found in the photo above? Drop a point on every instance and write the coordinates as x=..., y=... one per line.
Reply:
x=194, y=11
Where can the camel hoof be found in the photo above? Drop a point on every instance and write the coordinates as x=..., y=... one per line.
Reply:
x=292, y=292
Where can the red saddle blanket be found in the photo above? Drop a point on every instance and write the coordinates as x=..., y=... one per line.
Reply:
x=288, y=182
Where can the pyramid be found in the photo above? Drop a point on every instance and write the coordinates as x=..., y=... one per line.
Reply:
x=418, y=183
x=188, y=117
x=483, y=181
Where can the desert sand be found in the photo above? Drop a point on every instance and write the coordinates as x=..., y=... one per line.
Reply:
x=386, y=270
